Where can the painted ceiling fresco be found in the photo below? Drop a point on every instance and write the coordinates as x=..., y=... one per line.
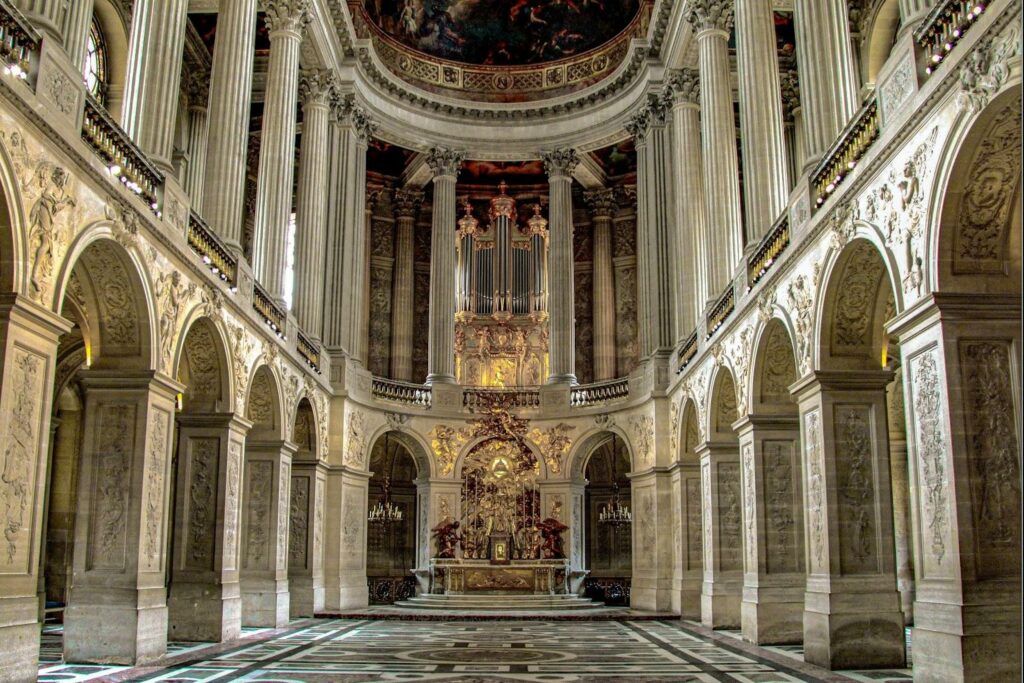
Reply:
x=502, y=31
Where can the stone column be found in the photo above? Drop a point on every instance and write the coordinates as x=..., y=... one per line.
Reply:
x=898, y=469
x=723, y=540
x=852, y=615
x=828, y=75
x=912, y=12
x=774, y=578
x=265, y=521
x=153, y=78
x=962, y=421
x=712, y=20
x=766, y=190
x=688, y=568
x=117, y=612
x=651, y=496
x=316, y=89
x=307, y=511
x=77, y=23
x=198, y=137
x=407, y=206
x=230, y=86
x=204, y=603
x=793, y=116
x=445, y=164
x=370, y=206
x=345, y=547
x=559, y=166
x=692, y=241
x=286, y=21
x=45, y=15
x=28, y=349
x=602, y=206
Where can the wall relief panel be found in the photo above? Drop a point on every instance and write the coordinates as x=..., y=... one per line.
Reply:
x=856, y=489
x=258, y=508
x=203, y=472
x=112, y=464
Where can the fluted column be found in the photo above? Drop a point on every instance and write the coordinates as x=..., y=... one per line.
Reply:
x=712, y=21
x=792, y=114
x=154, y=75
x=764, y=148
x=407, y=206
x=44, y=15
x=77, y=22
x=692, y=241
x=559, y=166
x=602, y=206
x=198, y=136
x=828, y=76
x=445, y=164
x=315, y=89
x=230, y=94
x=286, y=20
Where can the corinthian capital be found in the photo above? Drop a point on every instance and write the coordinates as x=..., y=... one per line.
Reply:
x=288, y=15
x=684, y=85
x=560, y=162
x=407, y=203
x=316, y=87
x=790, y=86
x=601, y=202
x=654, y=114
x=445, y=162
x=348, y=113
x=710, y=15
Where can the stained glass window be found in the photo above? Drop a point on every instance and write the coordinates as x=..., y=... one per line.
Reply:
x=96, y=63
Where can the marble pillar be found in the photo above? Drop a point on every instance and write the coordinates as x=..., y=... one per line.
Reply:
x=559, y=166
x=723, y=540
x=28, y=356
x=307, y=511
x=774, y=578
x=445, y=165
x=345, y=547
x=688, y=567
x=45, y=16
x=286, y=22
x=77, y=23
x=315, y=89
x=204, y=602
x=828, y=75
x=153, y=77
x=117, y=612
x=602, y=207
x=198, y=137
x=692, y=243
x=712, y=20
x=852, y=616
x=764, y=151
x=651, y=497
x=563, y=500
x=407, y=205
x=265, y=523
x=230, y=86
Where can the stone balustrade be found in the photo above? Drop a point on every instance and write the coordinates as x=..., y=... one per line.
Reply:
x=480, y=397
x=271, y=313
x=599, y=392
x=721, y=309
x=401, y=392
x=19, y=42
x=309, y=351
x=123, y=159
x=944, y=27
x=215, y=255
x=842, y=157
x=775, y=241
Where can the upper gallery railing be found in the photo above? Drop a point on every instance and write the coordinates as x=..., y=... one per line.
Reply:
x=309, y=351
x=268, y=310
x=19, y=42
x=853, y=143
x=722, y=309
x=123, y=159
x=687, y=352
x=215, y=255
x=401, y=392
x=772, y=245
x=944, y=26
x=599, y=392
x=483, y=397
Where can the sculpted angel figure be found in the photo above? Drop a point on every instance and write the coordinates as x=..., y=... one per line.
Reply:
x=41, y=218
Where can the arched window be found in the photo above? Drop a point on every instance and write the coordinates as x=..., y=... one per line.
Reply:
x=96, y=63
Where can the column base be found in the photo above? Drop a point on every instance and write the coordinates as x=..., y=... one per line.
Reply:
x=265, y=602
x=686, y=598
x=774, y=615
x=861, y=630
x=204, y=613
x=307, y=596
x=652, y=595
x=19, y=639
x=347, y=591
x=114, y=634
x=720, y=603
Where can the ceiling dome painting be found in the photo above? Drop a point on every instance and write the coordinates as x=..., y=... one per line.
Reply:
x=502, y=32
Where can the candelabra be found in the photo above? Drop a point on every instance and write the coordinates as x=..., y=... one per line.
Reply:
x=615, y=514
x=385, y=512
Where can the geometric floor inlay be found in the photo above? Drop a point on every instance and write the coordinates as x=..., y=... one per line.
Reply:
x=541, y=651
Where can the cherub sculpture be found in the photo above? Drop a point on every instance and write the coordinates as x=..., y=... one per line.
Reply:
x=448, y=537
x=551, y=530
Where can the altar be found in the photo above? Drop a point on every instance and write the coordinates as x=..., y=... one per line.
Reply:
x=461, y=576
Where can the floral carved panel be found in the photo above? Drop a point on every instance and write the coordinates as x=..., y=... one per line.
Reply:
x=201, y=526
x=112, y=462
x=856, y=495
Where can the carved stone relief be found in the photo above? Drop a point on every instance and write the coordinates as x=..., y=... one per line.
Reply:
x=232, y=505
x=855, y=301
x=707, y=517
x=730, y=517
x=643, y=439
x=801, y=307
x=932, y=445
x=260, y=409
x=318, y=526
x=113, y=289
x=554, y=444
x=203, y=365
x=258, y=523
x=172, y=293
x=283, y=490
x=200, y=544
x=749, y=511
x=626, y=325
x=352, y=517
x=646, y=521
x=779, y=370
x=856, y=489
x=156, y=466
x=816, y=510
x=781, y=533
x=355, y=439
x=694, y=554
x=380, y=321
x=110, y=507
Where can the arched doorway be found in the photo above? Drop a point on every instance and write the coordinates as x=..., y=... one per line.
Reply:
x=608, y=532
x=391, y=521
x=306, y=517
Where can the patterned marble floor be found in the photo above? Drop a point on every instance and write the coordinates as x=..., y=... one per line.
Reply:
x=540, y=651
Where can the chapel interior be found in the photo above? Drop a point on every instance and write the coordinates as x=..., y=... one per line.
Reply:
x=530, y=340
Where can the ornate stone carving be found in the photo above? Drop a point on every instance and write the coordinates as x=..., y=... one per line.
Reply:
x=674, y=414
x=626, y=325
x=318, y=525
x=172, y=292
x=316, y=87
x=20, y=450
x=232, y=503
x=349, y=113
x=684, y=86
x=711, y=15
x=986, y=70
x=380, y=321
x=260, y=409
x=856, y=490
x=778, y=368
x=46, y=237
x=601, y=202
x=749, y=518
x=288, y=15
x=841, y=224
x=738, y=350
x=643, y=439
x=706, y=517
x=407, y=203
x=112, y=462
x=60, y=90
x=283, y=491
x=352, y=517
x=355, y=439
x=156, y=466
x=257, y=541
x=780, y=501
x=855, y=301
x=203, y=365
x=801, y=308
x=816, y=510
x=554, y=444
x=931, y=451
x=560, y=163
x=445, y=162
x=242, y=347
x=202, y=497
x=694, y=558
x=646, y=534
x=789, y=83
x=446, y=442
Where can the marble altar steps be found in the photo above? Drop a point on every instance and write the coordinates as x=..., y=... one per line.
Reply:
x=497, y=602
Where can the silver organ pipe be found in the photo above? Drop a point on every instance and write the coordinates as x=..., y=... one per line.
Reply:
x=538, y=231
x=468, y=228
x=503, y=218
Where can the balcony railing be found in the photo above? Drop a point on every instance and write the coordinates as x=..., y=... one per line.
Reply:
x=213, y=252
x=842, y=158
x=480, y=397
x=123, y=159
x=401, y=392
x=722, y=309
x=309, y=351
x=268, y=310
x=771, y=246
x=19, y=42
x=687, y=352
x=599, y=392
x=945, y=25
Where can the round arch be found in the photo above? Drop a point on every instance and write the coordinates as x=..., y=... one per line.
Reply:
x=589, y=442
x=13, y=247
x=418, y=450
x=264, y=405
x=201, y=363
x=722, y=404
x=774, y=368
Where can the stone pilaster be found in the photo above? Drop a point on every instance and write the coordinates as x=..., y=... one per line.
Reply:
x=688, y=565
x=154, y=74
x=45, y=15
x=712, y=20
x=852, y=615
x=692, y=241
x=315, y=90
x=77, y=22
x=198, y=137
x=117, y=612
x=345, y=547
x=445, y=164
x=407, y=205
x=265, y=524
x=723, y=550
x=559, y=166
x=602, y=207
x=563, y=500
x=307, y=511
x=766, y=189
x=286, y=21
x=230, y=86
x=651, y=497
x=828, y=76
